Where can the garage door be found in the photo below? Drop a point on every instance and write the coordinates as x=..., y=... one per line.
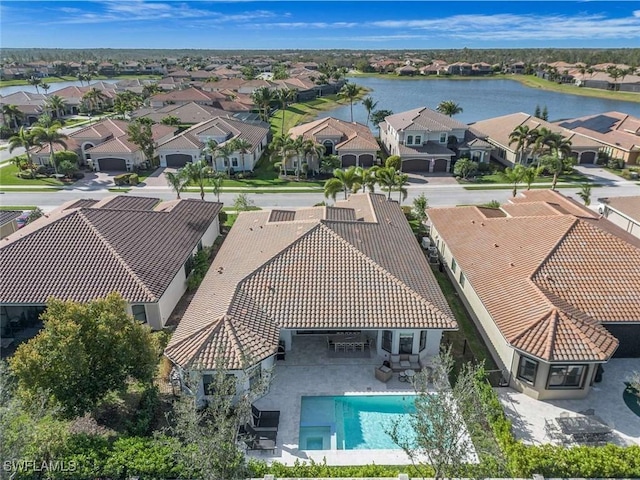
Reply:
x=440, y=165
x=112, y=164
x=366, y=161
x=415, y=165
x=178, y=160
x=588, y=158
x=348, y=161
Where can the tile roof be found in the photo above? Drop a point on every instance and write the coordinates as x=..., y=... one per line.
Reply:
x=549, y=273
x=319, y=267
x=7, y=216
x=423, y=119
x=612, y=128
x=429, y=148
x=629, y=206
x=122, y=245
x=351, y=135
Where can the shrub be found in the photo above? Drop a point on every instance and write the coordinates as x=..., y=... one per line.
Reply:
x=27, y=173
x=615, y=163
x=222, y=217
x=133, y=179
x=484, y=168
x=121, y=179
x=67, y=168
x=145, y=414
x=65, y=156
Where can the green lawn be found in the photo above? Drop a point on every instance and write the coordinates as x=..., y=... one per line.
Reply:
x=298, y=113
x=522, y=187
x=574, y=177
x=17, y=207
x=8, y=177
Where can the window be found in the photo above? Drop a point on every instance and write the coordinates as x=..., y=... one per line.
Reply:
x=139, y=313
x=453, y=264
x=254, y=378
x=463, y=279
x=225, y=162
x=188, y=266
x=328, y=147
x=409, y=139
x=228, y=386
x=418, y=140
x=234, y=162
x=200, y=246
x=387, y=337
x=406, y=343
x=423, y=340
x=527, y=370
x=566, y=376
x=443, y=138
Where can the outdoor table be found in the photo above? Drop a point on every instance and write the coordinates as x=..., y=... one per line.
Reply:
x=348, y=342
x=582, y=427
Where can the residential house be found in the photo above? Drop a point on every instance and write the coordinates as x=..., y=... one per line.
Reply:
x=517, y=68
x=137, y=246
x=422, y=137
x=352, y=142
x=8, y=222
x=191, y=145
x=407, y=70
x=623, y=211
x=31, y=105
x=481, y=68
x=459, y=68
x=314, y=271
x=616, y=132
x=188, y=95
x=496, y=131
x=552, y=287
x=187, y=113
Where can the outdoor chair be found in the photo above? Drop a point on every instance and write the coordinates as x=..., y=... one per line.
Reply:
x=383, y=373
x=259, y=440
x=265, y=419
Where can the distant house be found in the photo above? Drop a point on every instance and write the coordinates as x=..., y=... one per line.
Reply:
x=406, y=70
x=190, y=145
x=186, y=113
x=460, y=68
x=623, y=211
x=315, y=271
x=481, y=68
x=422, y=137
x=553, y=288
x=137, y=246
x=496, y=131
x=188, y=95
x=353, y=143
x=8, y=222
x=618, y=133
x=31, y=105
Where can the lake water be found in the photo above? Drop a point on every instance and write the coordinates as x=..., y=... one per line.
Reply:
x=4, y=91
x=479, y=99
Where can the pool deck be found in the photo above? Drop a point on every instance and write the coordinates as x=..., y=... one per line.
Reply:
x=308, y=371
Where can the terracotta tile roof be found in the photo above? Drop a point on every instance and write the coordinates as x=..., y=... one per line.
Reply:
x=629, y=206
x=317, y=268
x=611, y=128
x=184, y=140
x=115, y=145
x=423, y=119
x=103, y=129
x=558, y=202
x=548, y=277
x=351, y=135
x=429, y=148
x=123, y=245
x=82, y=203
x=186, y=95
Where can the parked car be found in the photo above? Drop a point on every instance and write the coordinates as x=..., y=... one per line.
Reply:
x=22, y=220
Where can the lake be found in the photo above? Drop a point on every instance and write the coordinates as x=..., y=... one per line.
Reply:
x=4, y=91
x=479, y=99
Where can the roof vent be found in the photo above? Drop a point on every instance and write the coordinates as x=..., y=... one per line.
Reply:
x=512, y=264
x=220, y=269
x=495, y=245
x=548, y=277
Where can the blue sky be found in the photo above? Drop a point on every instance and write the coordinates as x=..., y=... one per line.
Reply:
x=319, y=25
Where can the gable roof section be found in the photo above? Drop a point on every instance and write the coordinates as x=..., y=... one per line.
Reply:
x=7, y=216
x=628, y=206
x=612, y=128
x=306, y=271
x=352, y=135
x=86, y=253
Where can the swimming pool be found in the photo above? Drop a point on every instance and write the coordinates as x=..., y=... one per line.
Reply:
x=357, y=422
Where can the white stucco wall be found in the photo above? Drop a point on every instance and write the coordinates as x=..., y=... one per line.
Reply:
x=172, y=295
x=622, y=221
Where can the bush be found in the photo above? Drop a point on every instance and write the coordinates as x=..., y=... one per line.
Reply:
x=65, y=156
x=24, y=174
x=615, y=163
x=146, y=412
x=486, y=168
x=133, y=179
x=122, y=179
x=222, y=217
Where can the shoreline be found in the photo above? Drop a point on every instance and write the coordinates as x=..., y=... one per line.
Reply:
x=71, y=78
x=526, y=80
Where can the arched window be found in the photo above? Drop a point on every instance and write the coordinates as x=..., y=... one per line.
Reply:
x=328, y=147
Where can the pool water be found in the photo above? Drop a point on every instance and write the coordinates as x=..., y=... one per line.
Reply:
x=352, y=422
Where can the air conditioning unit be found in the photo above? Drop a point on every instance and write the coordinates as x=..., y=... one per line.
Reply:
x=433, y=251
x=426, y=243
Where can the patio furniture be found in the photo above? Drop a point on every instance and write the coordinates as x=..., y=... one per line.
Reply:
x=403, y=362
x=383, y=373
x=265, y=419
x=407, y=376
x=259, y=440
x=584, y=428
x=347, y=343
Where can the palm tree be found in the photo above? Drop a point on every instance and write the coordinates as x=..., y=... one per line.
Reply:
x=283, y=147
x=585, y=194
x=178, y=181
x=313, y=152
x=216, y=180
x=559, y=145
x=284, y=96
x=11, y=114
x=378, y=117
x=300, y=147
x=350, y=91
x=540, y=142
x=23, y=139
x=369, y=105
x=197, y=172
x=81, y=77
x=50, y=136
x=262, y=97
x=243, y=146
x=387, y=178
x=514, y=176
x=225, y=151
x=343, y=180
x=211, y=148
x=57, y=104
x=555, y=165
x=94, y=98
x=171, y=120
x=45, y=87
x=449, y=107
x=523, y=137
x=529, y=175
x=35, y=81
x=402, y=179
x=367, y=178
